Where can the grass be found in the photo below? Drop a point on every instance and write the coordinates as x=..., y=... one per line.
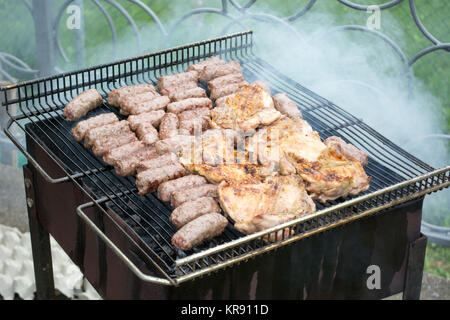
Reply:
x=437, y=260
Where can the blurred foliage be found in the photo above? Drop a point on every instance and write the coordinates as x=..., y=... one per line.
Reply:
x=437, y=260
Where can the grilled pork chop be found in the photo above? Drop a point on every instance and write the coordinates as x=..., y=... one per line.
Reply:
x=247, y=109
x=295, y=147
x=258, y=206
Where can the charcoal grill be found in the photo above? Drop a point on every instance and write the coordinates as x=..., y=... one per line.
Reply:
x=121, y=241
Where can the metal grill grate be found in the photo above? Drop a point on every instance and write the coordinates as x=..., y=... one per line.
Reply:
x=396, y=175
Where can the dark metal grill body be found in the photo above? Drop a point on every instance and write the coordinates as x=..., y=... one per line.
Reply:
x=36, y=116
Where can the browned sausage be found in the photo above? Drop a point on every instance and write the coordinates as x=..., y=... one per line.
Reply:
x=166, y=189
x=198, y=230
x=202, y=64
x=189, y=104
x=105, y=131
x=214, y=71
x=286, y=106
x=157, y=103
x=147, y=181
x=169, y=126
x=79, y=106
x=152, y=117
x=82, y=127
x=181, y=196
x=114, y=97
x=190, y=210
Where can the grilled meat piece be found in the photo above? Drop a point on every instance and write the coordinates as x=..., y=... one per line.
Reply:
x=244, y=173
x=127, y=165
x=219, y=92
x=202, y=64
x=115, y=96
x=158, y=103
x=106, y=131
x=169, y=126
x=152, y=117
x=103, y=146
x=166, y=189
x=346, y=149
x=82, y=127
x=158, y=162
x=327, y=174
x=148, y=181
x=79, y=106
x=198, y=230
x=175, y=79
x=331, y=176
x=179, y=95
x=257, y=206
x=286, y=106
x=249, y=108
x=147, y=133
x=191, y=210
x=225, y=80
x=217, y=70
x=189, y=104
x=181, y=196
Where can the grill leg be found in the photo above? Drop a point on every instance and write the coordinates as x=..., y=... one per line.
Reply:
x=40, y=244
x=414, y=271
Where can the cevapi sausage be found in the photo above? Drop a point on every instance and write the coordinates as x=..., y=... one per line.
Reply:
x=79, y=106
x=166, y=189
x=181, y=196
x=198, y=230
x=191, y=210
x=82, y=127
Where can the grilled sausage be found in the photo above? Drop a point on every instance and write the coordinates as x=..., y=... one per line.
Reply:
x=181, y=196
x=177, y=95
x=174, y=144
x=179, y=87
x=147, y=181
x=114, y=97
x=190, y=210
x=198, y=230
x=226, y=90
x=129, y=102
x=286, y=106
x=176, y=79
x=194, y=126
x=194, y=113
x=152, y=117
x=157, y=103
x=82, y=127
x=126, y=166
x=166, y=189
x=217, y=70
x=202, y=64
x=189, y=104
x=169, y=126
x=79, y=106
x=123, y=151
x=225, y=80
x=157, y=162
x=103, y=146
x=147, y=133
x=105, y=131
